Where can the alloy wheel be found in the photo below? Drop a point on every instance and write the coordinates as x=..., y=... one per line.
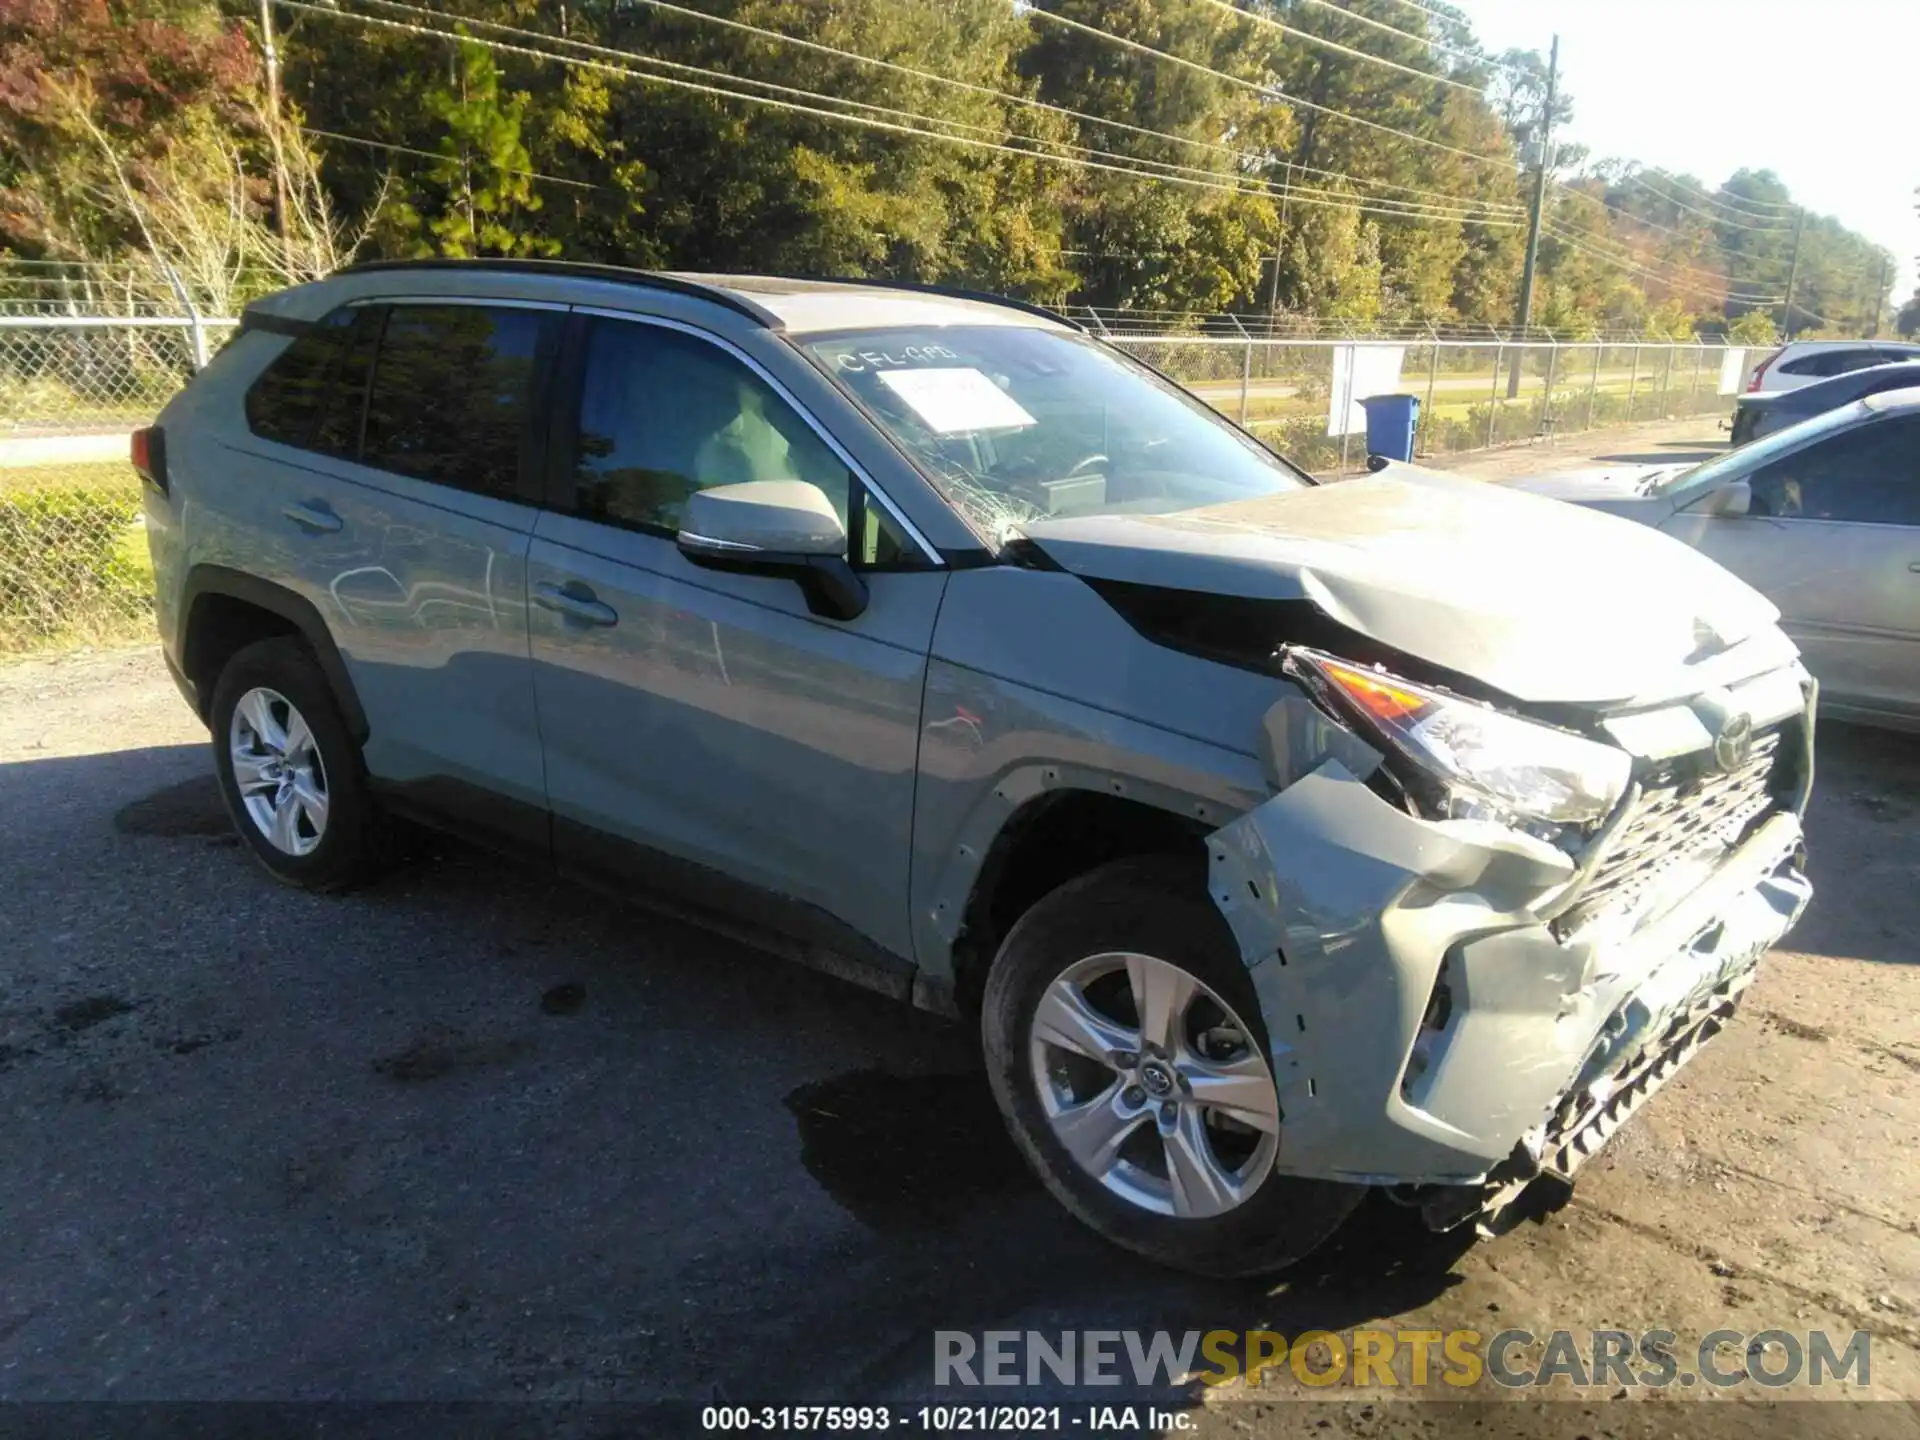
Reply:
x=1154, y=1085
x=278, y=771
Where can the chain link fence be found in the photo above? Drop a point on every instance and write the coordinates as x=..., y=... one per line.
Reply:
x=73, y=557
x=1474, y=394
x=70, y=375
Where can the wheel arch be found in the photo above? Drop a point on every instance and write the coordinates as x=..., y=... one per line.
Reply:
x=1065, y=825
x=225, y=610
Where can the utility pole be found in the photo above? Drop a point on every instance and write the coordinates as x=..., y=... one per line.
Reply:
x=1545, y=159
x=1879, y=298
x=1279, y=247
x=1793, y=274
x=271, y=54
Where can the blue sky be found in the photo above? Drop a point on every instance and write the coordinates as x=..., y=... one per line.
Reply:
x=1822, y=92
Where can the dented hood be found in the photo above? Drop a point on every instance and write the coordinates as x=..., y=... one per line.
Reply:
x=1545, y=601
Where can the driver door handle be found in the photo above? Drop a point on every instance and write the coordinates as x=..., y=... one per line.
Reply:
x=313, y=516
x=575, y=600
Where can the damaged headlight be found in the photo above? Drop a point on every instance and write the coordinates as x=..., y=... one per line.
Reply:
x=1484, y=763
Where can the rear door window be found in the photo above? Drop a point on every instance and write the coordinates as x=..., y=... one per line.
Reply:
x=1850, y=360
x=453, y=392
x=1822, y=363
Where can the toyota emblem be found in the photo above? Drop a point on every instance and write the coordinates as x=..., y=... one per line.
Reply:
x=1733, y=747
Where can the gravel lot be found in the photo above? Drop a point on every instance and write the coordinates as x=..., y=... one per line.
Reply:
x=474, y=1134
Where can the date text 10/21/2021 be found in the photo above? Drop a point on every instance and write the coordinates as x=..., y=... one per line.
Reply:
x=949, y=1419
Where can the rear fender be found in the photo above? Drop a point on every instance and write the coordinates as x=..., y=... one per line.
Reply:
x=217, y=580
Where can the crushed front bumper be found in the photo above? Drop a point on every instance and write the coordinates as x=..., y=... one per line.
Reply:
x=1428, y=1029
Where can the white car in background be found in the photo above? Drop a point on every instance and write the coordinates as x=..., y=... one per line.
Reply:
x=1803, y=362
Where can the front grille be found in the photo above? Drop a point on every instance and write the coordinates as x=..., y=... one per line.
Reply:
x=1694, y=813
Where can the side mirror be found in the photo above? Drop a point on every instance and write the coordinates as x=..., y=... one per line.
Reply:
x=1726, y=502
x=776, y=527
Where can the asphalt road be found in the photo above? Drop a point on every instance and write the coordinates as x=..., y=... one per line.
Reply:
x=474, y=1134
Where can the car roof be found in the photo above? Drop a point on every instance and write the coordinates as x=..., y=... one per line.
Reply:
x=1894, y=400
x=815, y=305
x=778, y=302
x=1898, y=371
x=1891, y=346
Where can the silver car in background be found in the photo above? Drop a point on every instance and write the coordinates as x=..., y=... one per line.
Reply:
x=1823, y=518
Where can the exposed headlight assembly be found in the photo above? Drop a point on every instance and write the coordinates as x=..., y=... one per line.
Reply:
x=1481, y=763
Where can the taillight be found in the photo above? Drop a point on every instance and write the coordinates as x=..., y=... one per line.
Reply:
x=1760, y=372
x=150, y=456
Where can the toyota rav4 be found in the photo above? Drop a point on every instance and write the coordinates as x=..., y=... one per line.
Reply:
x=1284, y=839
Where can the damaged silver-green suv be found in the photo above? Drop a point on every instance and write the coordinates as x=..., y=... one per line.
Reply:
x=1283, y=839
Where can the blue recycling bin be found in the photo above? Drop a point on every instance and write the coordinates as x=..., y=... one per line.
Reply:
x=1391, y=421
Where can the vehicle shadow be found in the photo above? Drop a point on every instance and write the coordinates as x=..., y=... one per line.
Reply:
x=975, y=1244
x=482, y=1133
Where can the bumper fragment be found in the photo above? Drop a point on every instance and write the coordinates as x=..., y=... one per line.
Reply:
x=1427, y=1028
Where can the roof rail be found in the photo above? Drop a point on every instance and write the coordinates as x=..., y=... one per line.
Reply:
x=580, y=270
x=955, y=292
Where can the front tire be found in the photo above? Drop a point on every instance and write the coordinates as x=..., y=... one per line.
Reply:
x=1124, y=1044
x=290, y=772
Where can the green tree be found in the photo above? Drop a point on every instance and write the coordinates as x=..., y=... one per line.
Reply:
x=85, y=80
x=1756, y=327
x=480, y=199
x=1155, y=244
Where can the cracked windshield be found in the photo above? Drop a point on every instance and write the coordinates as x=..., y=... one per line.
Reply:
x=1017, y=424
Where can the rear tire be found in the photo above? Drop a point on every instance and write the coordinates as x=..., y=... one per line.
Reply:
x=1087, y=963
x=290, y=772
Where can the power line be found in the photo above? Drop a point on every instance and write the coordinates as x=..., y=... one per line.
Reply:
x=1467, y=55
x=437, y=155
x=1220, y=183
x=1338, y=48
x=1617, y=250
x=1429, y=10
x=1738, y=202
x=1695, y=287
x=1579, y=194
x=1175, y=174
x=1267, y=92
x=1452, y=207
x=1491, y=206
x=897, y=68
x=1710, y=219
x=1641, y=181
x=1444, y=198
x=1459, y=210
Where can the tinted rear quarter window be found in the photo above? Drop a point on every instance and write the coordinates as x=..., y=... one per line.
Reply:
x=284, y=403
x=343, y=401
x=452, y=393
x=312, y=395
